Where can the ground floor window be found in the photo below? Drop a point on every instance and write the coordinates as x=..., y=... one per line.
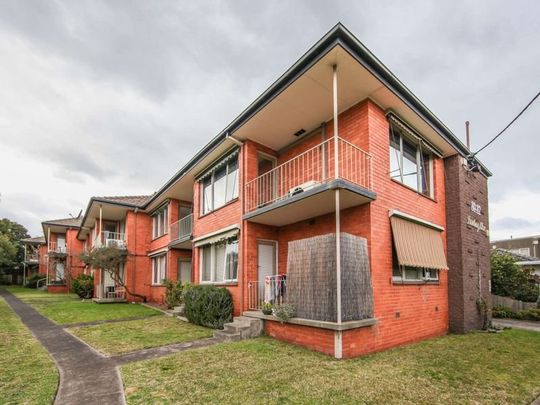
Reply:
x=219, y=262
x=159, y=269
x=406, y=273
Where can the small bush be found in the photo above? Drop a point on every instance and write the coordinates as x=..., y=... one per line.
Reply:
x=209, y=306
x=31, y=282
x=525, y=315
x=83, y=286
x=284, y=312
x=174, y=293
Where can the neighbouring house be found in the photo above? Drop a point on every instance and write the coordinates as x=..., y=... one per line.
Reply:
x=522, y=260
x=336, y=191
x=34, y=257
x=61, y=261
x=526, y=245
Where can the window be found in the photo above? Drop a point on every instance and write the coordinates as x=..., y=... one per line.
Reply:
x=220, y=186
x=159, y=269
x=409, y=164
x=522, y=251
x=418, y=274
x=159, y=222
x=219, y=262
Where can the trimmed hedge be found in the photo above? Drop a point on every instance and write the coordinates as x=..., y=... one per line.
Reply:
x=209, y=306
x=83, y=286
x=525, y=315
x=31, y=282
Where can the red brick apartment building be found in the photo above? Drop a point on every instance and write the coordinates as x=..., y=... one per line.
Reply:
x=337, y=191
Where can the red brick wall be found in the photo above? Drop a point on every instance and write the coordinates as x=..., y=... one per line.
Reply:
x=321, y=340
x=406, y=313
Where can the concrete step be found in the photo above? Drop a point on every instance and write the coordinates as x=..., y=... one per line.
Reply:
x=242, y=327
x=227, y=336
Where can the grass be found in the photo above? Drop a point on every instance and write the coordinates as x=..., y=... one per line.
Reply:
x=456, y=369
x=124, y=337
x=68, y=308
x=27, y=373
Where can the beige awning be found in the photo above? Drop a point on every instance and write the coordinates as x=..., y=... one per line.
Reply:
x=417, y=245
x=216, y=237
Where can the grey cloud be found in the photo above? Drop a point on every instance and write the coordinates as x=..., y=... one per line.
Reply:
x=190, y=67
x=515, y=224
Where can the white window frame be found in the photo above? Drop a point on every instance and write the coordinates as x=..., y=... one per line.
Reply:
x=160, y=222
x=215, y=268
x=159, y=268
x=396, y=132
x=427, y=275
x=212, y=206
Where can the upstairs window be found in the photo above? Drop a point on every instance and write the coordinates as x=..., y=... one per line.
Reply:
x=220, y=184
x=159, y=222
x=409, y=163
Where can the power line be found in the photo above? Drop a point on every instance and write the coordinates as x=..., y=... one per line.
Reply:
x=506, y=127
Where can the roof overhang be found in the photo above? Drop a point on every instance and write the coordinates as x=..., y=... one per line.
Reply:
x=112, y=211
x=302, y=99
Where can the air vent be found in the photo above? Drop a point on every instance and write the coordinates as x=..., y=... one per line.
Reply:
x=300, y=132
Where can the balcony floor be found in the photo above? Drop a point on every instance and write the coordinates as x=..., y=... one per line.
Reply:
x=312, y=203
x=182, y=243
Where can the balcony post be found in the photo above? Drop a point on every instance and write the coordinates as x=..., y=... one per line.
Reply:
x=337, y=202
x=100, y=234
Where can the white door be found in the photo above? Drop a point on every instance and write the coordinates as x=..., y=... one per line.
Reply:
x=266, y=264
x=184, y=271
x=61, y=244
x=60, y=271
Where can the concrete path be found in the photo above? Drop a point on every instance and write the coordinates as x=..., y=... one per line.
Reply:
x=156, y=352
x=85, y=375
x=517, y=324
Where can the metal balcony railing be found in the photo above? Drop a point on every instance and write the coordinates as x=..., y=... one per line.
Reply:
x=272, y=290
x=54, y=247
x=111, y=239
x=182, y=229
x=307, y=170
x=32, y=257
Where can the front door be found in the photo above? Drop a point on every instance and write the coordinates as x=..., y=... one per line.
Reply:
x=61, y=243
x=267, y=266
x=184, y=270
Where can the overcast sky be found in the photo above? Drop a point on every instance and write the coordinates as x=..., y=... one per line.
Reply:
x=113, y=97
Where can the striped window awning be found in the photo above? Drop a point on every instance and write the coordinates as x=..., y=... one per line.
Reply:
x=217, y=237
x=218, y=164
x=418, y=244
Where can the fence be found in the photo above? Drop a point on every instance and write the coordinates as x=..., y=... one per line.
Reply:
x=507, y=302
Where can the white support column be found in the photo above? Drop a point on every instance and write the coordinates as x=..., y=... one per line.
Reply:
x=338, y=344
x=100, y=223
x=337, y=202
x=24, y=267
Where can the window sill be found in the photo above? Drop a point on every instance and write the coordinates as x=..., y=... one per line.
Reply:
x=220, y=284
x=157, y=285
x=413, y=190
x=415, y=282
x=219, y=208
x=159, y=237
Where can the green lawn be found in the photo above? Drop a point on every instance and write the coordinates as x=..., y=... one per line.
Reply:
x=124, y=337
x=68, y=308
x=476, y=368
x=27, y=373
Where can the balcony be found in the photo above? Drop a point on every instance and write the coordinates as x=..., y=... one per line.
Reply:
x=302, y=187
x=57, y=249
x=32, y=257
x=111, y=239
x=272, y=290
x=180, y=233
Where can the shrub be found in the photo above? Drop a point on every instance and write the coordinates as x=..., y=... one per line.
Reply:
x=83, y=286
x=510, y=280
x=174, y=293
x=207, y=305
x=31, y=282
x=284, y=312
x=526, y=314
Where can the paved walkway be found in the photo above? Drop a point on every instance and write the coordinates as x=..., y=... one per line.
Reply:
x=85, y=375
x=516, y=324
x=156, y=352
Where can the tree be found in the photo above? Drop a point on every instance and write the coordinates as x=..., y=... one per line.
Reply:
x=510, y=280
x=109, y=259
x=11, y=249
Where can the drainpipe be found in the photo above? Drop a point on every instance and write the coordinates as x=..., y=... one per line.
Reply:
x=338, y=334
x=48, y=250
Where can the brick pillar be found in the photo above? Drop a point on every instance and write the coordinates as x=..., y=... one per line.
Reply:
x=468, y=251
